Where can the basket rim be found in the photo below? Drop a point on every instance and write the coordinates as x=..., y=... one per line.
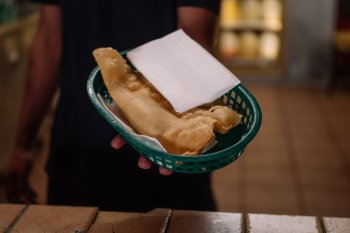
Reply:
x=235, y=148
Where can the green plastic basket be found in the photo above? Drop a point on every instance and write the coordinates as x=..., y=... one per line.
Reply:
x=229, y=147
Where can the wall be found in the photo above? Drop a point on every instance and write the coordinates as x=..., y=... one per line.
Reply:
x=309, y=35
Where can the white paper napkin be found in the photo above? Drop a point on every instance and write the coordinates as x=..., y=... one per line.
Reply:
x=182, y=71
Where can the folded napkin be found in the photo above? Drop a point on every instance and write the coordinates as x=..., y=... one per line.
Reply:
x=182, y=71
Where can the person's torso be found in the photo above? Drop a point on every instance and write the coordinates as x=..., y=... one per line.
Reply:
x=87, y=25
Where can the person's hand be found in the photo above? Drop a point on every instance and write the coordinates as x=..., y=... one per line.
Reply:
x=143, y=163
x=16, y=183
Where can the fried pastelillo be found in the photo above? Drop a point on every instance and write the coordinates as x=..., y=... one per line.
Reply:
x=149, y=113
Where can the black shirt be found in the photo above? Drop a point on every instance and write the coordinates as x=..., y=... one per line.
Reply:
x=80, y=141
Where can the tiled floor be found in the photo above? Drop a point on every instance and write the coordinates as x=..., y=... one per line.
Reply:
x=299, y=163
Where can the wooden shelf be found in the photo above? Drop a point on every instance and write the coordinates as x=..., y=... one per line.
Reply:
x=257, y=62
x=243, y=25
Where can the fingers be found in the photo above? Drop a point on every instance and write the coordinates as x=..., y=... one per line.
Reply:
x=118, y=142
x=18, y=190
x=164, y=171
x=16, y=184
x=145, y=164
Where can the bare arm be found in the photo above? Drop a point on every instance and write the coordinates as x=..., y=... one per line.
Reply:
x=42, y=81
x=198, y=23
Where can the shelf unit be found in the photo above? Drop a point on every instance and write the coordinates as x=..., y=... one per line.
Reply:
x=250, y=37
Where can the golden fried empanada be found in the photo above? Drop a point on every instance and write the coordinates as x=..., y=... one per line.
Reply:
x=149, y=113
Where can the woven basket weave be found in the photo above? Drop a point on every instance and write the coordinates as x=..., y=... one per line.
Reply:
x=229, y=147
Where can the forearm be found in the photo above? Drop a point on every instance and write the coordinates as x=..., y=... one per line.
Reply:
x=42, y=79
x=198, y=23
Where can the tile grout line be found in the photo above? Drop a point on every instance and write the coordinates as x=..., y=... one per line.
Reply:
x=167, y=221
x=291, y=152
x=321, y=224
x=93, y=219
x=245, y=223
x=17, y=219
x=165, y=226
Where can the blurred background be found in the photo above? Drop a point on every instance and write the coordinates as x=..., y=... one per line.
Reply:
x=293, y=55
